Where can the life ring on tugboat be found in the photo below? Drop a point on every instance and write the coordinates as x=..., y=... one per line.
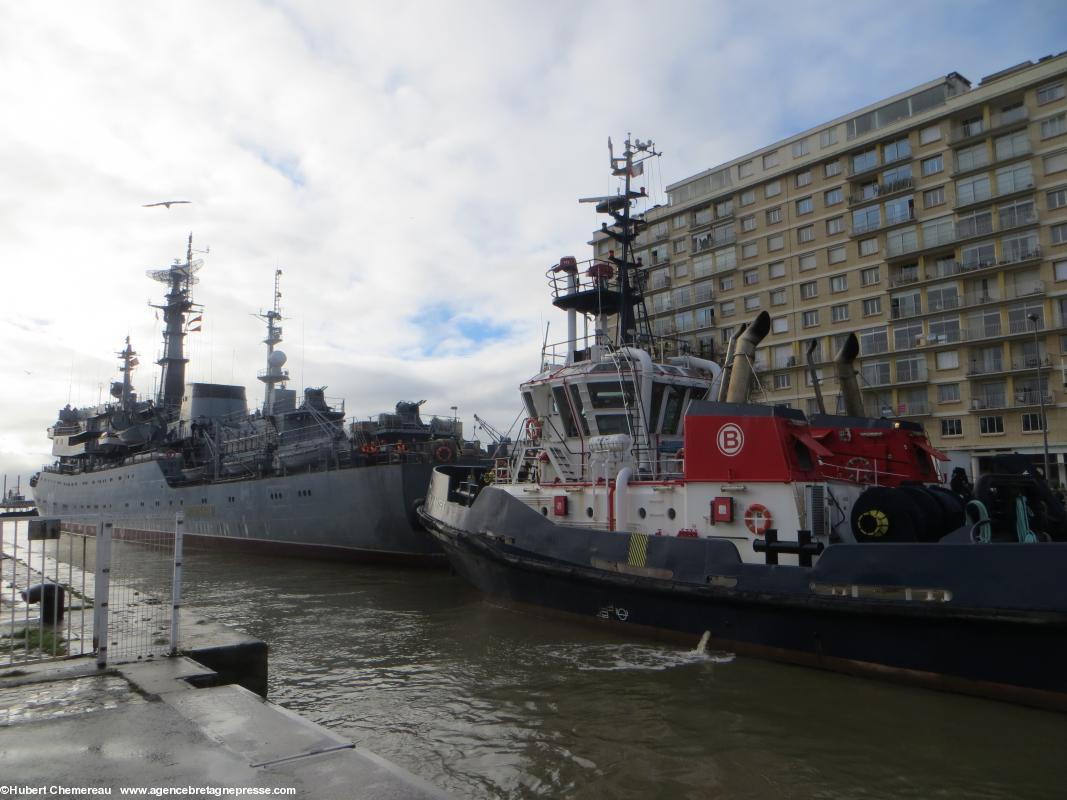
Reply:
x=443, y=454
x=533, y=429
x=858, y=468
x=758, y=519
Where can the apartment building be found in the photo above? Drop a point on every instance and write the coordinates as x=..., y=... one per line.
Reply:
x=933, y=224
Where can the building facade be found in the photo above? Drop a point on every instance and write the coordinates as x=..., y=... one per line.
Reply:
x=932, y=224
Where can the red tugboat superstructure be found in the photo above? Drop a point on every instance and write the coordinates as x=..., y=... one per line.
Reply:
x=653, y=493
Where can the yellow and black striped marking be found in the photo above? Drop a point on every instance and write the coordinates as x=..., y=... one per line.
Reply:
x=638, y=549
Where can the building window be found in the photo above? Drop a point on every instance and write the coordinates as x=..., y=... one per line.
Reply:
x=839, y=283
x=894, y=151
x=952, y=427
x=752, y=302
x=749, y=250
x=947, y=359
x=868, y=247
x=869, y=276
x=679, y=221
x=973, y=190
x=724, y=208
x=1046, y=94
x=778, y=297
x=745, y=169
x=809, y=290
x=775, y=242
x=1055, y=162
x=835, y=255
x=782, y=380
x=1053, y=126
x=748, y=197
x=750, y=277
x=835, y=225
x=802, y=178
x=988, y=425
x=831, y=168
x=780, y=325
x=832, y=197
x=839, y=313
x=748, y=223
x=868, y=159
x=728, y=308
x=1032, y=423
x=774, y=215
x=934, y=197
x=1057, y=198
x=929, y=134
x=679, y=246
x=804, y=206
x=772, y=189
x=1058, y=233
x=827, y=138
x=1014, y=144
x=770, y=160
x=809, y=319
x=872, y=306
x=806, y=261
x=948, y=393
x=776, y=269
x=726, y=284
x=932, y=165
x=806, y=234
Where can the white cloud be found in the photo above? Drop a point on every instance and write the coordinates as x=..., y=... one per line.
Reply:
x=400, y=162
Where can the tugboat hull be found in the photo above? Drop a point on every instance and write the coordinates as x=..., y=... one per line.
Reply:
x=979, y=619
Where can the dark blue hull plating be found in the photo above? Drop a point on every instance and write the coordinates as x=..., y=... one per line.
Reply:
x=981, y=619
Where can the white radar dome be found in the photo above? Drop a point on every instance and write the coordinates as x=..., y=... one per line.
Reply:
x=276, y=359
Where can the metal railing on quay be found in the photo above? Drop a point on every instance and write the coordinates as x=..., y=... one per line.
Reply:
x=112, y=589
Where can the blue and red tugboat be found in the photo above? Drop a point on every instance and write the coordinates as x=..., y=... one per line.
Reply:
x=654, y=494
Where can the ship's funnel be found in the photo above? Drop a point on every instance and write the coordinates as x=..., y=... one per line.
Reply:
x=846, y=377
x=744, y=352
x=727, y=363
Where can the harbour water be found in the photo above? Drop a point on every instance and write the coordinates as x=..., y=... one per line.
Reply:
x=494, y=702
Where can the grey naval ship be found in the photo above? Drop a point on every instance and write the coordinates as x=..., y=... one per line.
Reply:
x=290, y=477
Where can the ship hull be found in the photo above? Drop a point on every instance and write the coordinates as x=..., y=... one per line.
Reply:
x=1011, y=646
x=357, y=514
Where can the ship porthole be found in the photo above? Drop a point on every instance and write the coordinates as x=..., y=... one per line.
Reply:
x=544, y=511
x=589, y=512
x=671, y=513
x=642, y=513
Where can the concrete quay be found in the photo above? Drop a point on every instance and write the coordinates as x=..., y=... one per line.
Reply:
x=168, y=724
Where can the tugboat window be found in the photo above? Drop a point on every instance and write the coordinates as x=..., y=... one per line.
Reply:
x=672, y=413
x=564, y=411
x=579, y=408
x=527, y=399
x=616, y=394
x=612, y=423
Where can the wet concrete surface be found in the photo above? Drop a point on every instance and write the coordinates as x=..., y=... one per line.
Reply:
x=67, y=724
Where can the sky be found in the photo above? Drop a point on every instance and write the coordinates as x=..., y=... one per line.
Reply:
x=413, y=168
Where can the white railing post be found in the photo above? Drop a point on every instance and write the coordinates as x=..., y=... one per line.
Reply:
x=176, y=585
x=101, y=591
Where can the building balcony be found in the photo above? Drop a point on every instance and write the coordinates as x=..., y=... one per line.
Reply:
x=882, y=190
x=882, y=224
x=912, y=375
x=913, y=408
x=1017, y=220
x=1032, y=397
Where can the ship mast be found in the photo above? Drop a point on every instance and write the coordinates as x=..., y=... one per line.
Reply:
x=274, y=373
x=180, y=278
x=129, y=361
x=624, y=230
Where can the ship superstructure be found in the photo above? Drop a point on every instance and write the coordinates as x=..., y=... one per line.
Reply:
x=290, y=475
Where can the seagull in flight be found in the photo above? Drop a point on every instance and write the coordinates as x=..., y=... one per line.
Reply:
x=167, y=203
